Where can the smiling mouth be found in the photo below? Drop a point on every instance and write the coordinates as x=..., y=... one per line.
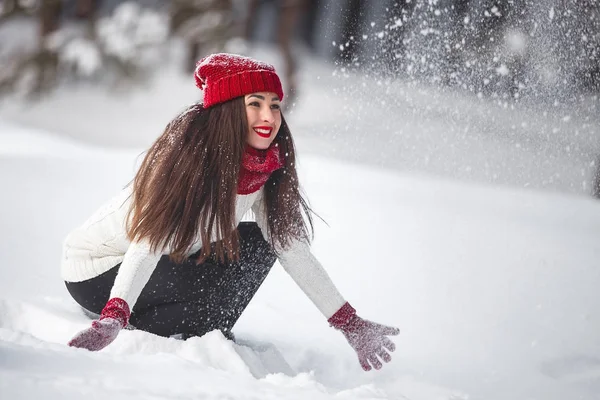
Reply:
x=263, y=131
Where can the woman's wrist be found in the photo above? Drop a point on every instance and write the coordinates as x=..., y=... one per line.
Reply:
x=118, y=309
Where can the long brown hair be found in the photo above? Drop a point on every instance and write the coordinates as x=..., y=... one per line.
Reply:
x=187, y=185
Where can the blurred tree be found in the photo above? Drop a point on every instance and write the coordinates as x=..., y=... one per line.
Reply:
x=205, y=25
x=353, y=14
x=586, y=39
x=596, y=181
x=456, y=42
x=72, y=44
x=86, y=9
x=16, y=8
x=288, y=12
x=45, y=61
x=47, y=14
x=393, y=48
x=488, y=39
x=309, y=22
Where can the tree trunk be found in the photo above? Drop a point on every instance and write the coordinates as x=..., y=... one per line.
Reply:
x=596, y=182
x=49, y=17
x=289, y=13
x=353, y=14
x=46, y=60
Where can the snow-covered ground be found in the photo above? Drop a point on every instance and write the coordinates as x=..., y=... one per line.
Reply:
x=494, y=287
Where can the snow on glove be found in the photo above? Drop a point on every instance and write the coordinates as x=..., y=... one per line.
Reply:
x=113, y=318
x=367, y=338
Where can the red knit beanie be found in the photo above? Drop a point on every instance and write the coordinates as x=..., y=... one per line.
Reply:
x=225, y=76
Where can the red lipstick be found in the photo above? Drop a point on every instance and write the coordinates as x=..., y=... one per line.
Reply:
x=263, y=131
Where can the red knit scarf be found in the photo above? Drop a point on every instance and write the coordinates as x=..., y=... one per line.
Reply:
x=257, y=166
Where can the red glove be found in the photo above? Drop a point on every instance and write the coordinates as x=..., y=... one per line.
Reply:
x=113, y=318
x=367, y=338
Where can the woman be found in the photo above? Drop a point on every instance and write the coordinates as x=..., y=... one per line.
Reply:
x=169, y=254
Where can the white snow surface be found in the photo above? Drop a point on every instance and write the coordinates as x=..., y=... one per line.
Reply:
x=494, y=287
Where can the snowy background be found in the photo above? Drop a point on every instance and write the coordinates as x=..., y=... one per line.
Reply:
x=464, y=220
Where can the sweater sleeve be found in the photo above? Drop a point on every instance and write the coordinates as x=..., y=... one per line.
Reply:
x=135, y=271
x=308, y=273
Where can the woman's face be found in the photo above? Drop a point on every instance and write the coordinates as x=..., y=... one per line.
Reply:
x=264, y=118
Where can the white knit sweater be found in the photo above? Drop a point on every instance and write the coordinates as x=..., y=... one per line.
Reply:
x=101, y=243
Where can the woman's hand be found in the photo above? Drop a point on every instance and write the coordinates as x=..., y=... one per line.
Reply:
x=113, y=318
x=98, y=336
x=367, y=338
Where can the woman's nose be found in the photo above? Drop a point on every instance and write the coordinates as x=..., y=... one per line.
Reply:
x=267, y=115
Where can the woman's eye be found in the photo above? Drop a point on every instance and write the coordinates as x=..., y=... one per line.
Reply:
x=254, y=104
x=275, y=106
